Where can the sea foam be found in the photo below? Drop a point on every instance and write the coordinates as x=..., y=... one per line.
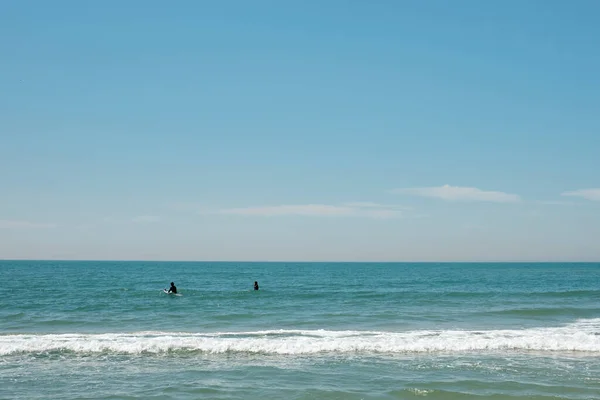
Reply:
x=581, y=336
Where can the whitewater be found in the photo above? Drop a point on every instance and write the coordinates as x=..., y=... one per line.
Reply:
x=582, y=336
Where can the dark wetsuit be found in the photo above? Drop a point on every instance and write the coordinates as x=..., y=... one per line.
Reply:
x=256, y=286
x=173, y=289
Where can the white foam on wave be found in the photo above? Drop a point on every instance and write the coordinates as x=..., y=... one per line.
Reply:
x=581, y=336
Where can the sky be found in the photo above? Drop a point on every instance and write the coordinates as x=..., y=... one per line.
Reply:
x=339, y=130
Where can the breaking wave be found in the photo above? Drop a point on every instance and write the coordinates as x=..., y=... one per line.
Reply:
x=580, y=336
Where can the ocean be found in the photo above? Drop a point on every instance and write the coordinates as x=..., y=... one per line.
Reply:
x=105, y=330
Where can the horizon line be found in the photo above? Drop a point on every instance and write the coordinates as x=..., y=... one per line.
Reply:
x=310, y=261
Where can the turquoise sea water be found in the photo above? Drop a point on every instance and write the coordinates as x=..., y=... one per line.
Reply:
x=105, y=330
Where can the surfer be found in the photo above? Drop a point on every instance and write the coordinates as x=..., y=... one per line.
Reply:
x=255, y=285
x=172, y=289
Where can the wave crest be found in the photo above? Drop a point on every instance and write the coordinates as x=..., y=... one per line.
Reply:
x=581, y=336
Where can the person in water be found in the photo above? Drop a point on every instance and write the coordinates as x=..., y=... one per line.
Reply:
x=172, y=289
x=255, y=285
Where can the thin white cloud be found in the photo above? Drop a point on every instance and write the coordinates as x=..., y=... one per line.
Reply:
x=308, y=210
x=588, y=194
x=460, y=193
x=381, y=213
x=139, y=219
x=316, y=210
x=146, y=218
x=556, y=203
x=368, y=204
x=16, y=224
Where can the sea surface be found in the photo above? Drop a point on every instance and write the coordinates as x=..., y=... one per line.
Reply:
x=105, y=330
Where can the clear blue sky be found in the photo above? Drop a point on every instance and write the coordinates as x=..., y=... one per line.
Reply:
x=307, y=130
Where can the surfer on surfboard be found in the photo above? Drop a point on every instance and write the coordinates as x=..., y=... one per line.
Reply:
x=172, y=289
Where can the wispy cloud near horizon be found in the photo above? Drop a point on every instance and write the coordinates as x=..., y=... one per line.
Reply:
x=368, y=204
x=556, y=203
x=588, y=194
x=460, y=193
x=354, y=209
